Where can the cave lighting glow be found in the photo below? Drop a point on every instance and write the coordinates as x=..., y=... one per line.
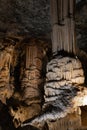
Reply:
x=85, y=100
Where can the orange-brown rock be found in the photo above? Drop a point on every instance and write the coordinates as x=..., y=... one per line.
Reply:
x=31, y=79
x=6, y=83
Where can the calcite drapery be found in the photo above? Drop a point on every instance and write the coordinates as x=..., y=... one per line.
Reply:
x=31, y=78
x=63, y=26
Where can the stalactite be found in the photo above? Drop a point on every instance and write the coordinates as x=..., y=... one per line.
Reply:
x=65, y=9
x=54, y=12
x=55, y=46
x=71, y=8
x=63, y=33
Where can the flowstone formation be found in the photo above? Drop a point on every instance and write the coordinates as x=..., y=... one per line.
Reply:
x=30, y=94
x=64, y=90
x=65, y=78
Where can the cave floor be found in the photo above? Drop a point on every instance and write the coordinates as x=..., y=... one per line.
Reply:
x=71, y=121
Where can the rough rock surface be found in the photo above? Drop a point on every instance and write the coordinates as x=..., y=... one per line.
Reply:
x=25, y=17
x=19, y=17
x=64, y=91
x=30, y=91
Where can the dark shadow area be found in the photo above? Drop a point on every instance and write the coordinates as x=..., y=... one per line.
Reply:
x=29, y=127
x=84, y=115
x=5, y=119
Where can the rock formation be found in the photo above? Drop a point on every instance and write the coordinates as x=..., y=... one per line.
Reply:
x=63, y=26
x=29, y=92
x=6, y=81
x=64, y=90
x=30, y=96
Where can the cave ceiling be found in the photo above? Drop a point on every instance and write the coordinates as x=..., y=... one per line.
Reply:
x=32, y=18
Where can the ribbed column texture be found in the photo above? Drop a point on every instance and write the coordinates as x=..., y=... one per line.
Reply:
x=63, y=26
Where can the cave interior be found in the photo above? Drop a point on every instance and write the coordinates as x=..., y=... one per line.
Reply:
x=43, y=64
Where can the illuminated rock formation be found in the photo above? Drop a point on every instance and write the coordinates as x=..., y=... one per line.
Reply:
x=6, y=81
x=31, y=77
x=64, y=90
x=63, y=26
